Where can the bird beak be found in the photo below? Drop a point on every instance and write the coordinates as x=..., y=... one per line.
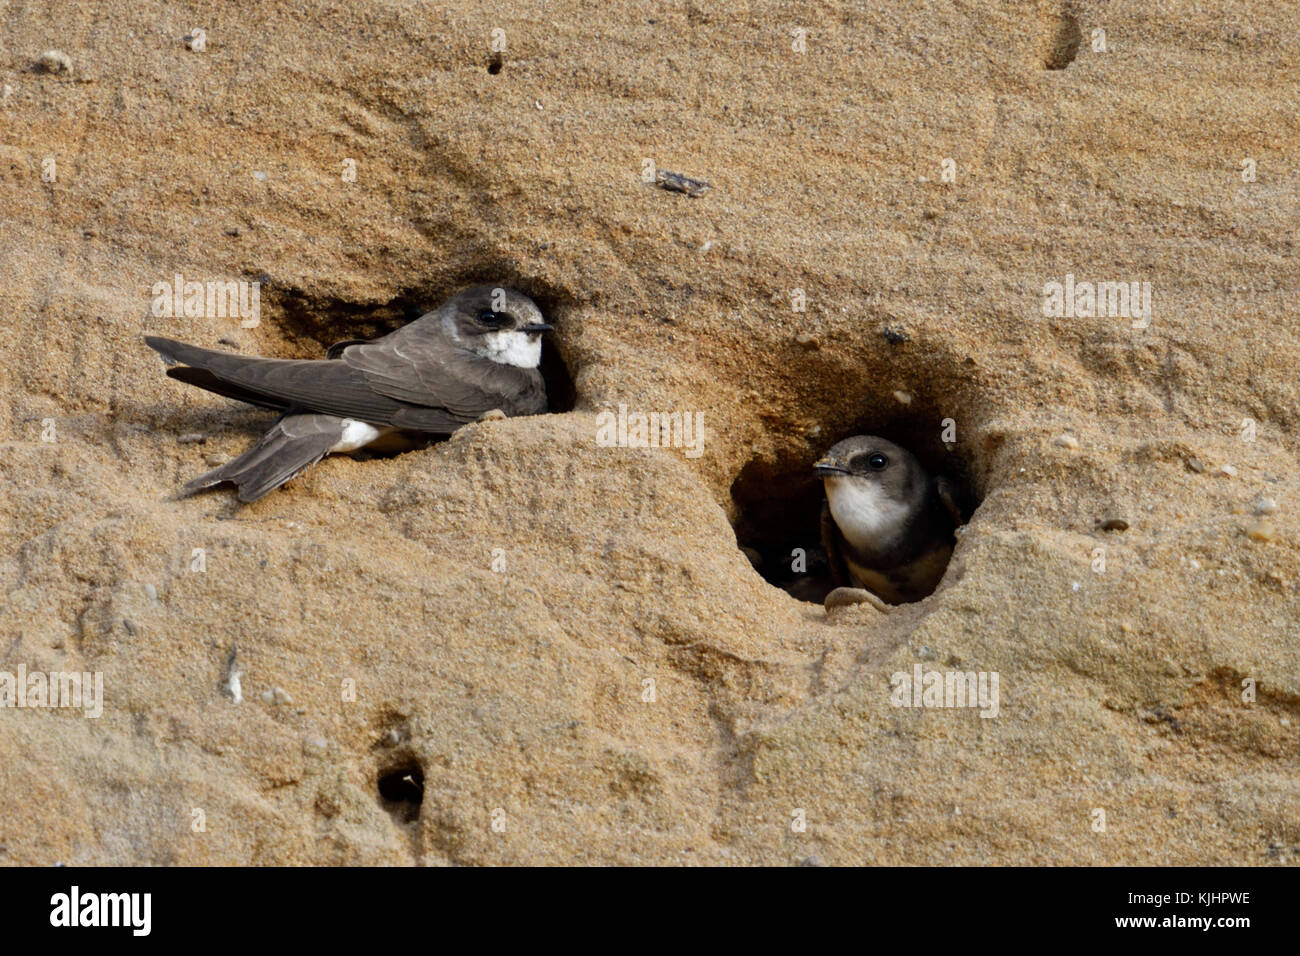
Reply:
x=537, y=328
x=828, y=469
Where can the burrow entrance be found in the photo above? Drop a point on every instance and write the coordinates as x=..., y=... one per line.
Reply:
x=778, y=503
x=401, y=790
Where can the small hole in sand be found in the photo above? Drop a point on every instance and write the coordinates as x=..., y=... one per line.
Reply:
x=401, y=790
x=495, y=63
x=1063, y=45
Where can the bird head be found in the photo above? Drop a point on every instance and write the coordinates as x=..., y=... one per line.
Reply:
x=497, y=323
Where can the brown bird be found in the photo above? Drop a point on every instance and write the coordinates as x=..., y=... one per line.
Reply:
x=476, y=353
x=887, y=525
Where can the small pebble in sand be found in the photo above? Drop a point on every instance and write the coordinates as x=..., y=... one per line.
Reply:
x=55, y=61
x=1261, y=529
x=902, y=397
x=151, y=591
x=676, y=182
x=1265, y=506
x=808, y=340
x=1066, y=441
x=277, y=695
x=1195, y=464
x=192, y=438
x=1228, y=470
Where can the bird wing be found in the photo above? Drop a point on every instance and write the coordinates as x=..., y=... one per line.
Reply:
x=327, y=386
x=420, y=367
x=948, y=495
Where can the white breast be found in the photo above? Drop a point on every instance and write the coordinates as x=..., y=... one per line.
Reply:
x=868, y=518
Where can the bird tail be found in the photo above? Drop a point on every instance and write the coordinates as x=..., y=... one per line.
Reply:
x=294, y=443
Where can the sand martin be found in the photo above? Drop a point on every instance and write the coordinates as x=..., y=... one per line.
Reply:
x=476, y=353
x=887, y=525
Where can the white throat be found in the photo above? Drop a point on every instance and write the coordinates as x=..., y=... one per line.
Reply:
x=868, y=518
x=513, y=348
x=505, y=348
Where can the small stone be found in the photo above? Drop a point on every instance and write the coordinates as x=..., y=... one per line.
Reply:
x=315, y=745
x=192, y=438
x=808, y=340
x=902, y=397
x=895, y=334
x=1114, y=524
x=1066, y=440
x=277, y=695
x=151, y=591
x=130, y=626
x=1195, y=464
x=1265, y=506
x=1228, y=470
x=55, y=61
x=1261, y=530
x=259, y=176
x=232, y=231
x=495, y=415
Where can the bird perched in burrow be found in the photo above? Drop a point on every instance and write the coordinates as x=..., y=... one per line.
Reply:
x=478, y=352
x=887, y=525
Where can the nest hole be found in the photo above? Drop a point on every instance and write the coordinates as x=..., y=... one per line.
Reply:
x=778, y=503
x=1063, y=42
x=495, y=63
x=401, y=791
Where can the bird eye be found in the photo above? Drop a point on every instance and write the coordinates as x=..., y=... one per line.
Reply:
x=877, y=461
x=494, y=320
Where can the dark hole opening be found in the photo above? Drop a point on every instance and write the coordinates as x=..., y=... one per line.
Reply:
x=779, y=503
x=495, y=63
x=1064, y=44
x=402, y=791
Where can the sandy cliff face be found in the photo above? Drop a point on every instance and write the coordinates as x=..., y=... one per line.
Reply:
x=472, y=629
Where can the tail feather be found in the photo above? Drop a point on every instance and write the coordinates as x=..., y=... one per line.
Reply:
x=278, y=456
